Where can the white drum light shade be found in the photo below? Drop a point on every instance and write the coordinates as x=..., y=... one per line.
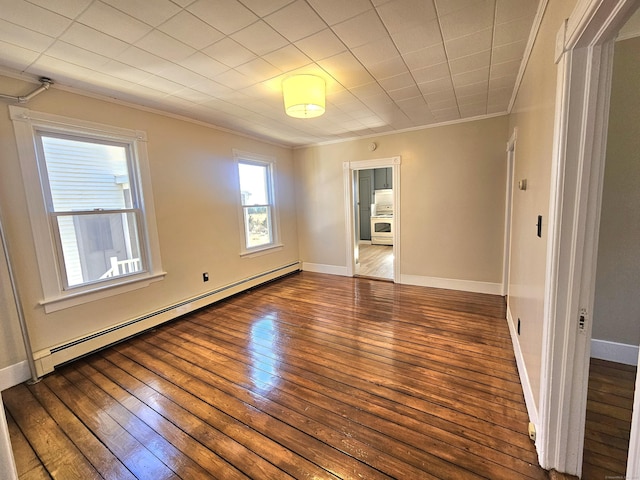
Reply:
x=304, y=96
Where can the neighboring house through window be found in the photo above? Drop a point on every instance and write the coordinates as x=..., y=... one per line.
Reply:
x=257, y=202
x=88, y=206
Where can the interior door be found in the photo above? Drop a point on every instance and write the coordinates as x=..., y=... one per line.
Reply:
x=365, y=194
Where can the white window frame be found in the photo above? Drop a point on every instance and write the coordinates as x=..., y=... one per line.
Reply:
x=27, y=125
x=270, y=163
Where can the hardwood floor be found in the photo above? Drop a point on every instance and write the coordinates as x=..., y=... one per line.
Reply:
x=375, y=261
x=609, y=408
x=310, y=376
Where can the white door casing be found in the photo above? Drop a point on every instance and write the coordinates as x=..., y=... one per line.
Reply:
x=584, y=55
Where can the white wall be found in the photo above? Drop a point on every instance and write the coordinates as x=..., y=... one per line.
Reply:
x=452, y=199
x=533, y=116
x=617, y=302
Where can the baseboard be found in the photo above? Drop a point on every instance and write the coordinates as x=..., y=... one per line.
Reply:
x=529, y=398
x=321, y=268
x=614, y=352
x=46, y=360
x=14, y=375
x=452, y=284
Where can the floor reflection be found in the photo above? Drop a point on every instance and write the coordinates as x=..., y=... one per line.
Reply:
x=264, y=354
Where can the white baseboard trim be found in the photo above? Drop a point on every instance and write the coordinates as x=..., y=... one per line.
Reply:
x=321, y=268
x=452, y=284
x=614, y=352
x=14, y=375
x=529, y=398
x=47, y=359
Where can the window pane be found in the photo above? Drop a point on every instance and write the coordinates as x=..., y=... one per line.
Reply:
x=99, y=246
x=84, y=175
x=253, y=184
x=257, y=226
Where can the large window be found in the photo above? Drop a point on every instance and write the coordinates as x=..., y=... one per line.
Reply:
x=259, y=223
x=84, y=186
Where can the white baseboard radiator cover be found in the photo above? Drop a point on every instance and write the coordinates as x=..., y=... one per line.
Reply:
x=46, y=360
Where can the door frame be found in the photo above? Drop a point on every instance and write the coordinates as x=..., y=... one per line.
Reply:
x=349, y=170
x=584, y=54
x=508, y=209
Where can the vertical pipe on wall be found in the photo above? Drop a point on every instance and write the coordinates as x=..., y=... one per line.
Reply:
x=21, y=319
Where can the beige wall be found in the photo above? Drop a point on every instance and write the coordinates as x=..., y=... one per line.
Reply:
x=452, y=196
x=11, y=344
x=533, y=116
x=617, y=303
x=193, y=178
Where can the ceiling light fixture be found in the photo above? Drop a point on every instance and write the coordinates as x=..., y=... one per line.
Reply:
x=304, y=96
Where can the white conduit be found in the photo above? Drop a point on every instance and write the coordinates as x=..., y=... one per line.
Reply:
x=45, y=84
x=21, y=319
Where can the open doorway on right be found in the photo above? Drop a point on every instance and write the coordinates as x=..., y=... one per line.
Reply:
x=616, y=317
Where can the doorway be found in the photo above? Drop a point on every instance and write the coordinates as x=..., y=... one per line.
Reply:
x=373, y=218
x=375, y=226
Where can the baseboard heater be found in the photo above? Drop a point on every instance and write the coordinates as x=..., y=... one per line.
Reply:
x=46, y=360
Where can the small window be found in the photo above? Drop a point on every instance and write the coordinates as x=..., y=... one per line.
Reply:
x=94, y=230
x=258, y=214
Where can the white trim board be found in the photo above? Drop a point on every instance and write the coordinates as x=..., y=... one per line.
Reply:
x=527, y=391
x=328, y=269
x=452, y=284
x=615, y=352
x=14, y=375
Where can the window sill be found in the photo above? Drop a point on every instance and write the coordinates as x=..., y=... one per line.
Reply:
x=69, y=300
x=259, y=251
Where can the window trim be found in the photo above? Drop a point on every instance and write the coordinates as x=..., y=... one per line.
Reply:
x=239, y=157
x=27, y=124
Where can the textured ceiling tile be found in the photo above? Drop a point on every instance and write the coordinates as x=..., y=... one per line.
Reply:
x=125, y=72
x=76, y=55
x=321, y=45
x=508, y=52
x=443, y=84
x=388, y=68
x=502, y=82
x=234, y=79
x=335, y=11
x=480, y=88
x=511, y=32
x=258, y=69
x=473, y=110
x=417, y=38
x=346, y=70
x=16, y=57
x=227, y=16
x=469, y=44
x=399, y=81
x=357, y=31
x=146, y=61
x=265, y=7
x=400, y=15
x=477, y=16
x=204, y=65
x=181, y=75
x=425, y=57
x=260, y=38
x=376, y=51
x=189, y=29
x=113, y=22
x=405, y=93
x=160, y=11
x=435, y=72
x=505, y=68
x=470, y=62
x=90, y=39
x=33, y=17
x=296, y=21
x=474, y=76
x=23, y=37
x=67, y=8
x=164, y=46
x=508, y=10
x=287, y=58
x=229, y=52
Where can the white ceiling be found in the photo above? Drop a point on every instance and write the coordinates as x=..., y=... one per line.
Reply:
x=389, y=64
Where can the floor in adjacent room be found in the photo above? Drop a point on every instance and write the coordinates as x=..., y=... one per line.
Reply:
x=375, y=261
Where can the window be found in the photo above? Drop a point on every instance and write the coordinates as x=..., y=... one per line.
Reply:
x=259, y=226
x=93, y=237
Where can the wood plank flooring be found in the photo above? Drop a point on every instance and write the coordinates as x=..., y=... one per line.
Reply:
x=609, y=408
x=375, y=261
x=310, y=376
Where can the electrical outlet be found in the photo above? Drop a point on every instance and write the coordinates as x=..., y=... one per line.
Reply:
x=205, y=277
x=532, y=431
x=518, y=326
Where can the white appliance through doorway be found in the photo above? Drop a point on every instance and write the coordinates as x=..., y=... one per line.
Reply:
x=382, y=217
